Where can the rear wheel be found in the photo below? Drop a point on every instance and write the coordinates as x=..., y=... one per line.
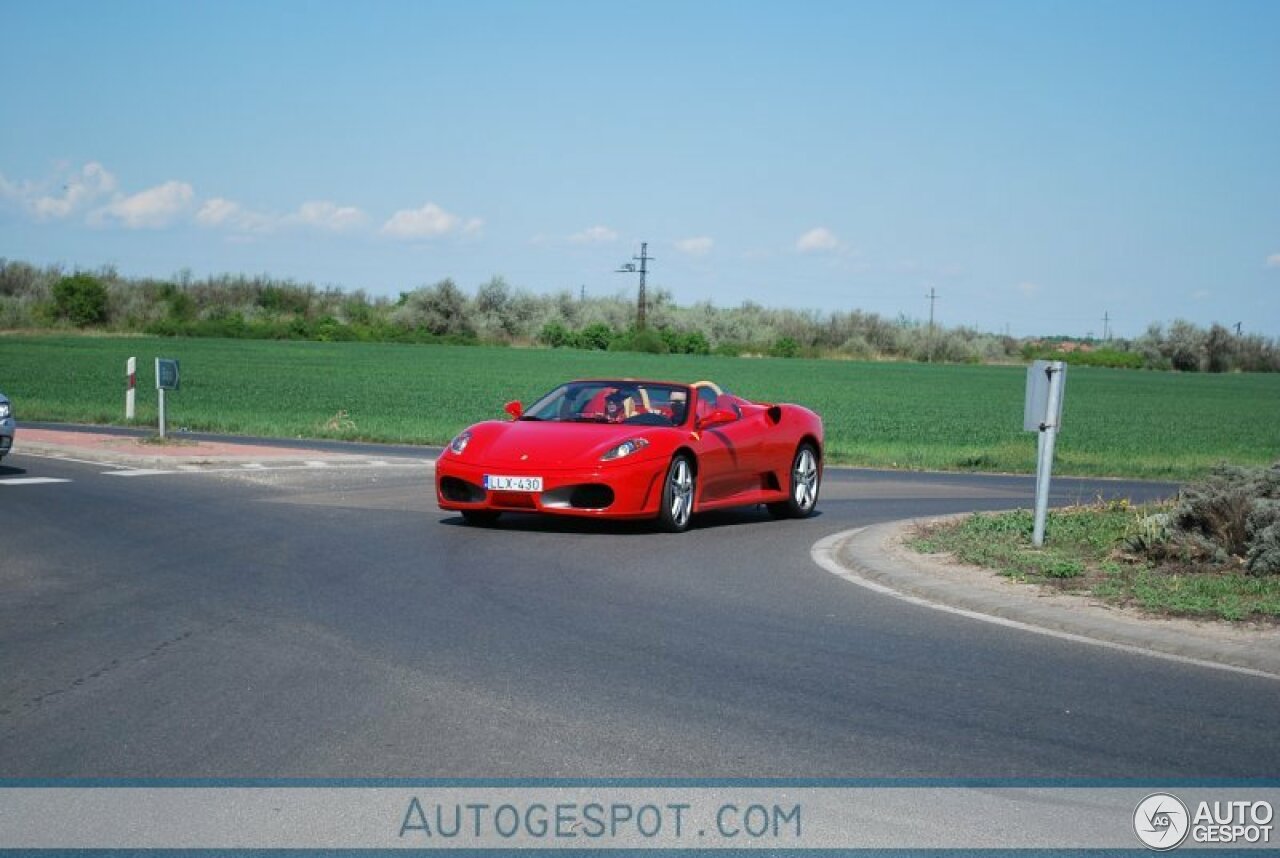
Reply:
x=480, y=517
x=677, y=496
x=806, y=479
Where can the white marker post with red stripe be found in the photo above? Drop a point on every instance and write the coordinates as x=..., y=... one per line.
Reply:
x=130, y=393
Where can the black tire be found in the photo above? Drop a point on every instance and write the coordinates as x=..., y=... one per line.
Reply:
x=804, y=480
x=480, y=517
x=678, y=492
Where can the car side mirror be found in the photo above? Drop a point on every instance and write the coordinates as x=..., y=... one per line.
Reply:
x=514, y=408
x=716, y=418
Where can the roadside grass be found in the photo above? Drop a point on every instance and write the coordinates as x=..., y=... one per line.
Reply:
x=1085, y=553
x=897, y=415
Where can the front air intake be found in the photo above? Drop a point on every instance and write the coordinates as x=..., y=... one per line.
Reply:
x=460, y=491
x=591, y=496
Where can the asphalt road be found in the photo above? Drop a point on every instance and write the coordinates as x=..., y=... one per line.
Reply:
x=324, y=622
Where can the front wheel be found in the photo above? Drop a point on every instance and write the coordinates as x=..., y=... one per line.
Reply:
x=677, y=496
x=806, y=479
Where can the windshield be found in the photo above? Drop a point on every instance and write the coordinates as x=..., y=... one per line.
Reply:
x=630, y=402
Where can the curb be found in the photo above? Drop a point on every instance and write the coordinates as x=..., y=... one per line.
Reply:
x=874, y=557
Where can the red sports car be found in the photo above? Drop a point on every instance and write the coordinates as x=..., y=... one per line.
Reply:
x=622, y=448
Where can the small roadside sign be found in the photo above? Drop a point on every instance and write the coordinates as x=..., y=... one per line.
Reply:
x=166, y=374
x=1035, y=410
x=166, y=379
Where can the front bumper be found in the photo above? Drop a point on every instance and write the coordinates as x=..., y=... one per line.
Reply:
x=611, y=490
x=7, y=428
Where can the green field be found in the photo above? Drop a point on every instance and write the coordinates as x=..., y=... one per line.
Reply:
x=905, y=415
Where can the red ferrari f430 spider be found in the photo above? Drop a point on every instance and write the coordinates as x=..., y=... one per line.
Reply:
x=628, y=449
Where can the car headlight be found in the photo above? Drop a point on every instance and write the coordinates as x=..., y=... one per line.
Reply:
x=457, y=445
x=626, y=448
x=5, y=410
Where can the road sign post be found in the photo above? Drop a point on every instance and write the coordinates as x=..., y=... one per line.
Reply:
x=166, y=379
x=1042, y=413
x=130, y=392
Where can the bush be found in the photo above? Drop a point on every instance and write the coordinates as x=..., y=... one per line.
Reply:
x=785, y=347
x=81, y=300
x=596, y=336
x=1262, y=530
x=695, y=343
x=1230, y=517
x=648, y=341
x=1113, y=358
x=728, y=349
x=555, y=335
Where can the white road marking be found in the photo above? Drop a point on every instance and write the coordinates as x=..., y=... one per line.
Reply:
x=30, y=481
x=140, y=472
x=823, y=553
x=70, y=459
x=253, y=466
x=316, y=463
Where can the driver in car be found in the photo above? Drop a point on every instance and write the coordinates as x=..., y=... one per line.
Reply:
x=615, y=410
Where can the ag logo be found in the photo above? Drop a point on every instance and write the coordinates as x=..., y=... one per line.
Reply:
x=1161, y=821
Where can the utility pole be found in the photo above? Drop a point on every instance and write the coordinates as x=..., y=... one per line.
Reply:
x=932, y=296
x=582, y=295
x=630, y=268
x=1238, y=324
x=1106, y=326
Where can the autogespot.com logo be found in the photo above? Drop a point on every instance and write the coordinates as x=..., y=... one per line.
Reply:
x=1161, y=821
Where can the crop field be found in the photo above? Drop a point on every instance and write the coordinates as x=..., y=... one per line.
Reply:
x=905, y=415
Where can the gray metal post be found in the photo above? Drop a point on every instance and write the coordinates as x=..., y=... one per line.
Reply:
x=161, y=391
x=1047, y=439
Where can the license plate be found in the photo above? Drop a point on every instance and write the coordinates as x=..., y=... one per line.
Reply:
x=512, y=484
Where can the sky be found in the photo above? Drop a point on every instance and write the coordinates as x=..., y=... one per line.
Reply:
x=1037, y=165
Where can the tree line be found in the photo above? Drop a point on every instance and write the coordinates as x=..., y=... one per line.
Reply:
x=262, y=307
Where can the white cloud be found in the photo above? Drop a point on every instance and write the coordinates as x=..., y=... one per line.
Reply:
x=329, y=216
x=818, y=240
x=1027, y=288
x=150, y=209
x=221, y=213
x=80, y=189
x=594, y=235
x=473, y=226
x=218, y=212
x=1273, y=261
x=1201, y=294
x=429, y=221
x=698, y=246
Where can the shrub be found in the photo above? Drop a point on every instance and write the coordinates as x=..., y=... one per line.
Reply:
x=1113, y=358
x=728, y=349
x=646, y=340
x=1231, y=516
x=785, y=347
x=555, y=335
x=80, y=299
x=1262, y=529
x=597, y=336
x=695, y=343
